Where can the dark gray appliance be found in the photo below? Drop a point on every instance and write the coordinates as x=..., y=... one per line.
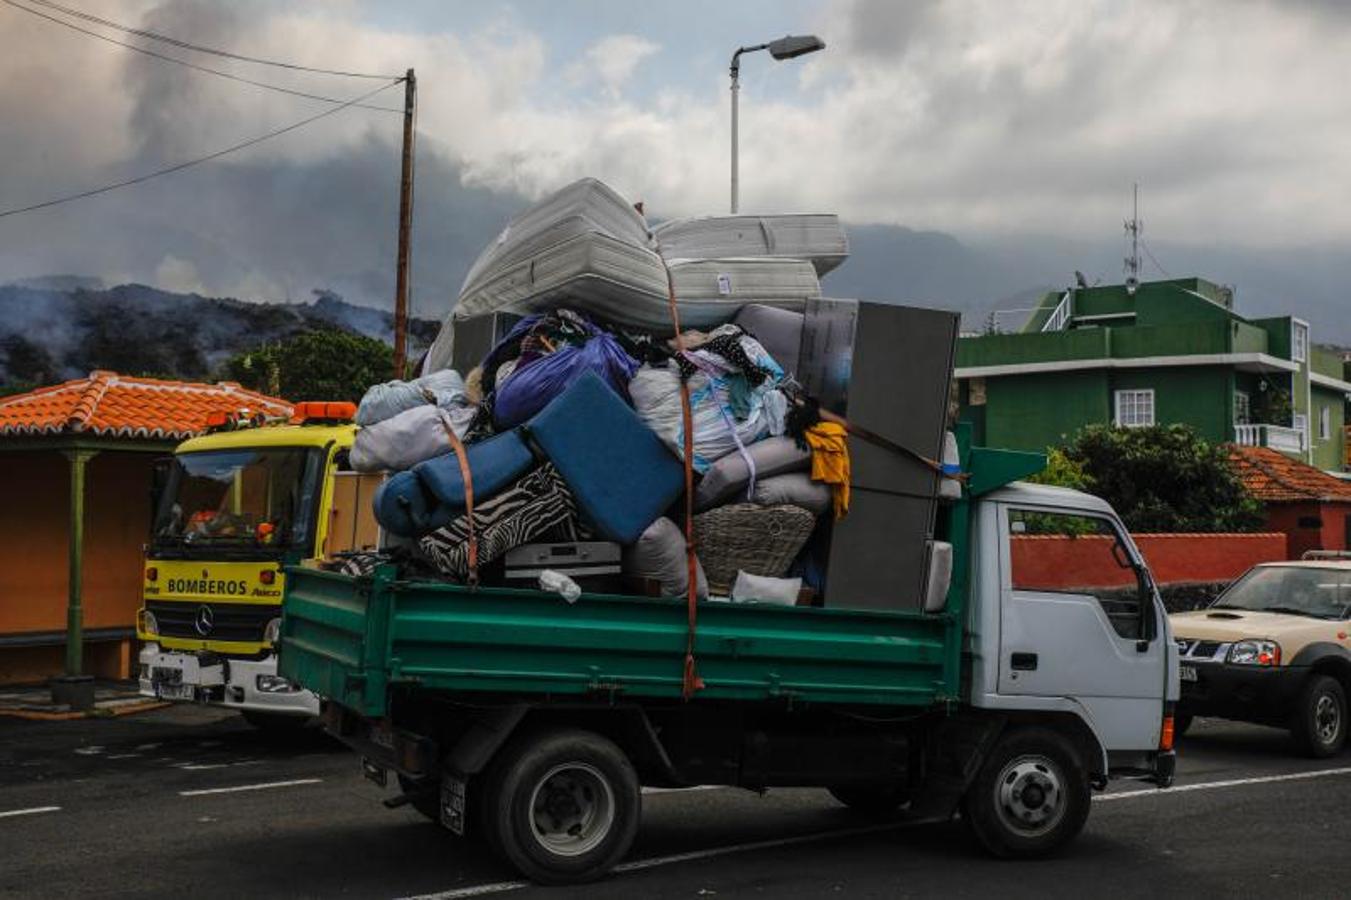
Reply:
x=887, y=369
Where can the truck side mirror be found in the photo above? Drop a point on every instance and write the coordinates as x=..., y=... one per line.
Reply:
x=159, y=479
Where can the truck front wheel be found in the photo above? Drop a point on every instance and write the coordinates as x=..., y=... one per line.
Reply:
x=1320, y=718
x=562, y=806
x=1031, y=795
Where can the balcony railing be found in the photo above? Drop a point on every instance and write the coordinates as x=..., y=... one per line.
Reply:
x=1277, y=437
x=1061, y=316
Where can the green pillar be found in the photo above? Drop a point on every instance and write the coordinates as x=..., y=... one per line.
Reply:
x=74, y=602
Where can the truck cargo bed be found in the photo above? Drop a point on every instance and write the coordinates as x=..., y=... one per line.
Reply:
x=351, y=639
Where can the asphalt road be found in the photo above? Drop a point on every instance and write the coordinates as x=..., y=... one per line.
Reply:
x=189, y=802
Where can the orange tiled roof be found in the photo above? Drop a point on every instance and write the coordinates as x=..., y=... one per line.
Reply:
x=110, y=405
x=1274, y=477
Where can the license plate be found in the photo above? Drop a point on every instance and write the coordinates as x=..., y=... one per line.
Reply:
x=1187, y=673
x=166, y=675
x=175, y=691
x=452, y=804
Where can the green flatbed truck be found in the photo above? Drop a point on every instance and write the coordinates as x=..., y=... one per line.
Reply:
x=533, y=723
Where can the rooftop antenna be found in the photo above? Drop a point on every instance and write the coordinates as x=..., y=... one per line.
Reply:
x=1134, y=228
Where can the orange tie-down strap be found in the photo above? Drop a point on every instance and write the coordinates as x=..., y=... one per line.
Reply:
x=690, y=681
x=468, y=477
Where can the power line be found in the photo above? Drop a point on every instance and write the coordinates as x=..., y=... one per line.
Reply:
x=190, y=65
x=156, y=36
x=199, y=160
x=1153, y=260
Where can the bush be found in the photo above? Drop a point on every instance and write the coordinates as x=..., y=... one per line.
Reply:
x=1165, y=478
x=317, y=365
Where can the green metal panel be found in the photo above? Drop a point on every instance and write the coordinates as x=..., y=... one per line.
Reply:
x=349, y=639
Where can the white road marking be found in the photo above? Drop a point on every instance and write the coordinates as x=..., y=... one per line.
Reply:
x=125, y=756
x=89, y=751
x=638, y=865
x=29, y=812
x=1215, y=785
x=250, y=787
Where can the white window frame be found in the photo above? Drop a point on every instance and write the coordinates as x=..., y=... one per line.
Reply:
x=1133, y=404
x=1301, y=422
x=1242, y=408
x=1324, y=423
x=1299, y=341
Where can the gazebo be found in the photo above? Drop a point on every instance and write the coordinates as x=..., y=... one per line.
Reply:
x=78, y=470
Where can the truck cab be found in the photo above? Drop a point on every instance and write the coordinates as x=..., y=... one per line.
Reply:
x=237, y=506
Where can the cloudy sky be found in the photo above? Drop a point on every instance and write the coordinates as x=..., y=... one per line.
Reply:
x=997, y=122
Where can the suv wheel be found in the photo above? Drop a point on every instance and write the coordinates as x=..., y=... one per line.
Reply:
x=1320, y=719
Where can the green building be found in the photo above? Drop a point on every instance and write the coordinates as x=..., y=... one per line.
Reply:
x=1164, y=352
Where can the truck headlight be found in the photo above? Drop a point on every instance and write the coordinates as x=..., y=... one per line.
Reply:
x=1255, y=653
x=145, y=622
x=272, y=631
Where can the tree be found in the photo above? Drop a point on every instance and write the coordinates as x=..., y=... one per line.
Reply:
x=326, y=364
x=1163, y=478
x=27, y=363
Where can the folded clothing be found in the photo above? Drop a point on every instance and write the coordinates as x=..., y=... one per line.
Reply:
x=730, y=474
x=778, y=330
x=660, y=555
x=384, y=401
x=538, y=504
x=414, y=435
x=733, y=396
x=493, y=464
x=620, y=473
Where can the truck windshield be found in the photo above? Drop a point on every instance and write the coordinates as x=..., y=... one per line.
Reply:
x=246, y=499
x=1297, y=590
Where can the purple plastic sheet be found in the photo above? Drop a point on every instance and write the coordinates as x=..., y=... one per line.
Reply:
x=539, y=379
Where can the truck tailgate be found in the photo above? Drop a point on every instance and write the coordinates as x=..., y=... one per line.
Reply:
x=350, y=639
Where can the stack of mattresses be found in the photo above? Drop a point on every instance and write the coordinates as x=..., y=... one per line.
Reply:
x=588, y=247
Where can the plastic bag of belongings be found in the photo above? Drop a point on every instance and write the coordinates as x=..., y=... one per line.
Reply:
x=571, y=419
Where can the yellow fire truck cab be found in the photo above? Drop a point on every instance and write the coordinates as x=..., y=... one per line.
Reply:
x=237, y=505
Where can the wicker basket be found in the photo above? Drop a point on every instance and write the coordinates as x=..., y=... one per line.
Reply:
x=762, y=540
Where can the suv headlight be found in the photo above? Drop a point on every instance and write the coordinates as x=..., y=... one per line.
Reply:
x=272, y=631
x=1255, y=653
x=146, y=624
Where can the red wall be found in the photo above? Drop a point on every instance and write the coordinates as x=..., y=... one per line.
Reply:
x=1331, y=535
x=1062, y=561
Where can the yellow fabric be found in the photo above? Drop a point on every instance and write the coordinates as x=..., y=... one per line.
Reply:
x=830, y=461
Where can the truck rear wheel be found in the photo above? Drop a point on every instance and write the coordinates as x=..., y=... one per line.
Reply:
x=562, y=806
x=1320, y=718
x=1030, y=797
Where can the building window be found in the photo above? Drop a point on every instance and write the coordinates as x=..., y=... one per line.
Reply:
x=1135, y=409
x=1324, y=423
x=1242, y=408
x=1299, y=342
x=1301, y=422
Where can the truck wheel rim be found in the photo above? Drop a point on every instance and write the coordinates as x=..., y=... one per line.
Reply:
x=1029, y=795
x=572, y=809
x=1327, y=717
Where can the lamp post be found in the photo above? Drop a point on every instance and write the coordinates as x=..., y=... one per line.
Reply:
x=786, y=47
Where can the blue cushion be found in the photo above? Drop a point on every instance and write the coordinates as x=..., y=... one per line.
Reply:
x=621, y=474
x=403, y=507
x=494, y=464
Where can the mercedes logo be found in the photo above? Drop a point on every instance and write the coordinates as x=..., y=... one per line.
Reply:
x=204, y=621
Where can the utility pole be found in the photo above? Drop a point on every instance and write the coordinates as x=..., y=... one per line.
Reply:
x=405, y=227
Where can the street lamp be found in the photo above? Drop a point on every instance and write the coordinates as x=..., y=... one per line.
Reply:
x=786, y=47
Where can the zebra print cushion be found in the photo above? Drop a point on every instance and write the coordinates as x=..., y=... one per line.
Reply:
x=537, y=504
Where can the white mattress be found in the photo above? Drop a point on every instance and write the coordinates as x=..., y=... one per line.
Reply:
x=587, y=206
x=818, y=237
